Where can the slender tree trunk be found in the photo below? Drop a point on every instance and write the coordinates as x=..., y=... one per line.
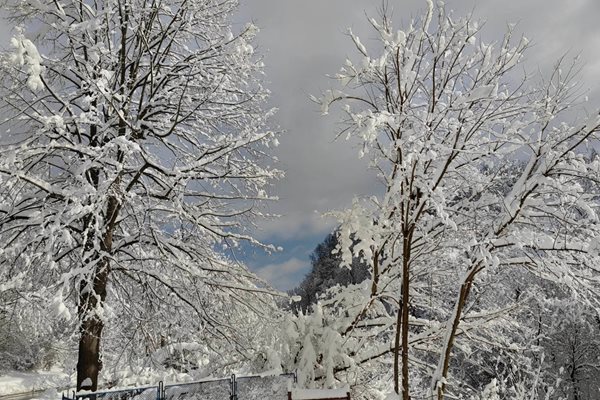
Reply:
x=397, y=352
x=575, y=384
x=444, y=362
x=375, y=280
x=404, y=309
x=574, y=380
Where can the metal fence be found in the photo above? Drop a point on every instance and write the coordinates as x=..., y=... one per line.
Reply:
x=219, y=389
x=233, y=388
x=262, y=388
x=138, y=393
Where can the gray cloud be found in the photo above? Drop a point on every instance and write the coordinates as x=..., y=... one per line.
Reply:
x=304, y=40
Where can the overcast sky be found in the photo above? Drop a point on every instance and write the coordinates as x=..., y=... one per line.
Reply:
x=305, y=40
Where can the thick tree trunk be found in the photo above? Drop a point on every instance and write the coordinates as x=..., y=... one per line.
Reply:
x=90, y=299
x=88, y=362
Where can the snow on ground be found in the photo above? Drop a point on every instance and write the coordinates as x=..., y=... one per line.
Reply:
x=13, y=382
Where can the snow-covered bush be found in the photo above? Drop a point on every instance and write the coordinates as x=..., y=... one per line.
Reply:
x=29, y=340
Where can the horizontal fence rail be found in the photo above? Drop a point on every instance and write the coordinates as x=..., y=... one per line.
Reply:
x=233, y=388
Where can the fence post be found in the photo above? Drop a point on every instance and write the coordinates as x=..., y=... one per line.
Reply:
x=233, y=385
x=160, y=394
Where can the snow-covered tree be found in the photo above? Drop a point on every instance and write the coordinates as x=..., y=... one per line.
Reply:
x=325, y=274
x=569, y=336
x=133, y=156
x=484, y=180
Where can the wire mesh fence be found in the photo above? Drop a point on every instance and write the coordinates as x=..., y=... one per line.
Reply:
x=233, y=388
x=262, y=387
x=219, y=389
x=140, y=393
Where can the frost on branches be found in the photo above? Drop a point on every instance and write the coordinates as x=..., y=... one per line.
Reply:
x=132, y=159
x=485, y=184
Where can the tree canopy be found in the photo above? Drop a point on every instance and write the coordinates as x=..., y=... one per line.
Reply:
x=485, y=178
x=134, y=157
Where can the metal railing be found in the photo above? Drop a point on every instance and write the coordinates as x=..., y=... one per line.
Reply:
x=233, y=388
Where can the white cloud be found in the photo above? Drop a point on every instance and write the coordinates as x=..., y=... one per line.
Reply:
x=284, y=275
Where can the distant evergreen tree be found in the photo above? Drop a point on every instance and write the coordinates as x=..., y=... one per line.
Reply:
x=327, y=272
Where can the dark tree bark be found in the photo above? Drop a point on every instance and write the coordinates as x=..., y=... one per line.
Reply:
x=88, y=361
